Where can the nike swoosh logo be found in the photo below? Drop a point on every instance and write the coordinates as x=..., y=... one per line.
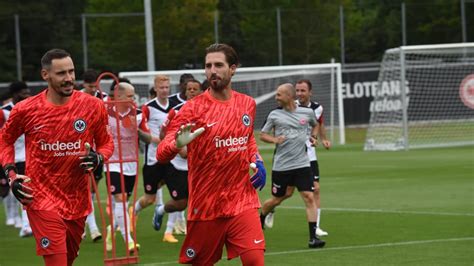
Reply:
x=38, y=127
x=257, y=241
x=210, y=125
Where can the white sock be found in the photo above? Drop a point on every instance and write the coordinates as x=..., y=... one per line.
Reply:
x=6, y=203
x=161, y=209
x=119, y=213
x=159, y=196
x=90, y=220
x=13, y=209
x=24, y=219
x=138, y=207
x=171, y=220
x=319, y=217
x=181, y=217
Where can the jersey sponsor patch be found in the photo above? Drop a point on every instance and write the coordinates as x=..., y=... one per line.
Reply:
x=80, y=125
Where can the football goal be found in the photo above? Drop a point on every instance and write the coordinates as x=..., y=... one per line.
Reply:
x=261, y=83
x=425, y=98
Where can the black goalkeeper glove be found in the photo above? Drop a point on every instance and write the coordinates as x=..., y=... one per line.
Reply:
x=91, y=159
x=19, y=185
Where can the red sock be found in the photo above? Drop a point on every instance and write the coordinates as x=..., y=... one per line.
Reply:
x=254, y=257
x=55, y=259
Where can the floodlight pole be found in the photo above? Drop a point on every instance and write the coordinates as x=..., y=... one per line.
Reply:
x=216, y=26
x=84, y=41
x=280, y=49
x=18, y=48
x=150, y=49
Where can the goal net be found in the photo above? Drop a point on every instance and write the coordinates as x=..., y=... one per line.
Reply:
x=425, y=98
x=261, y=83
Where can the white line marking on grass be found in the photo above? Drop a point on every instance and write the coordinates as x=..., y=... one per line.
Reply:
x=381, y=245
x=385, y=211
x=417, y=242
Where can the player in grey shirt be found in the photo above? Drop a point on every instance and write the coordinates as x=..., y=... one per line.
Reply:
x=287, y=128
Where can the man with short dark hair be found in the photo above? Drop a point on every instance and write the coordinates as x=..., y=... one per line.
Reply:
x=89, y=85
x=59, y=124
x=223, y=202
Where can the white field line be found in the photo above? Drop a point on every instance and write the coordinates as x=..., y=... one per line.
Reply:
x=384, y=211
x=381, y=245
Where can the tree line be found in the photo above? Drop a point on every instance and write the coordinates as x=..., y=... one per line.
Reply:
x=310, y=31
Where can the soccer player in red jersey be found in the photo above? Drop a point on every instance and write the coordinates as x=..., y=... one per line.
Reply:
x=223, y=203
x=60, y=124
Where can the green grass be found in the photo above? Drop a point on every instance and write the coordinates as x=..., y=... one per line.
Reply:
x=380, y=208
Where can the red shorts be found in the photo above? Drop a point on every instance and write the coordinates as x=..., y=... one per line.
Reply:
x=205, y=239
x=54, y=235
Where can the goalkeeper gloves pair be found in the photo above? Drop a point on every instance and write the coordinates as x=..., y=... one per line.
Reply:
x=91, y=159
x=259, y=178
x=19, y=185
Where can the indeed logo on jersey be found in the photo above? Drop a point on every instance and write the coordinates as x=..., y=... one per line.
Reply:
x=232, y=143
x=61, y=148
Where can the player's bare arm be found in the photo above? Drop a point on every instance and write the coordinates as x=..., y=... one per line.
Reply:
x=322, y=133
x=314, y=135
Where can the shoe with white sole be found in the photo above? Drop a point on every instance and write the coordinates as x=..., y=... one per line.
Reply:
x=157, y=218
x=131, y=246
x=269, y=219
x=10, y=222
x=168, y=237
x=26, y=232
x=96, y=236
x=321, y=232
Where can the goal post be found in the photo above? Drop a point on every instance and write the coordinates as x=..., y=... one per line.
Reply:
x=261, y=83
x=424, y=98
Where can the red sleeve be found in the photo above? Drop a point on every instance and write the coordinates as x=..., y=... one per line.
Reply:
x=102, y=138
x=11, y=131
x=253, y=148
x=167, y=148
x=2, y=118
x=145, y=112
x=144, y=124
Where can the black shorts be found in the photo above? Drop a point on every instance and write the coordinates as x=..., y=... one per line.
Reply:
x=116, y=187
x=177, y=183
x=301, y=178
x=152, y=175
x=315, y=170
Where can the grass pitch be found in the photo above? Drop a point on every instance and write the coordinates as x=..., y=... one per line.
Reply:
x=379, y=208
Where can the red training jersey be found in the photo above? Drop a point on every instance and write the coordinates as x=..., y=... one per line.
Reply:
x=54, y=138
x=218, y=160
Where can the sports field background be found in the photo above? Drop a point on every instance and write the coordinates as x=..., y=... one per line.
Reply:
x=379, y=208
